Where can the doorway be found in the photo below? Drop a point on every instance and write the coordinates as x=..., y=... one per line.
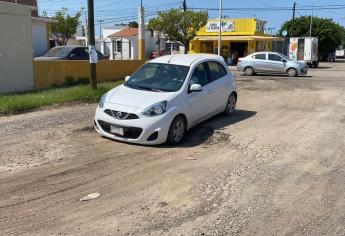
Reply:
x=238, y=50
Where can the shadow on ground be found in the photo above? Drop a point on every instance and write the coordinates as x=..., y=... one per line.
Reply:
x=273, y=77
x=203, y=132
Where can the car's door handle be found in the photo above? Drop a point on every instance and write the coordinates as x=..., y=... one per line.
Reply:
x=209, y=91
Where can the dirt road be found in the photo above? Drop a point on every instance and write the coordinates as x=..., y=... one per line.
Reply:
x=277, y=167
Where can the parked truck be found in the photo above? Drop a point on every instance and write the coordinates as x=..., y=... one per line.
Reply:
x=305, y=49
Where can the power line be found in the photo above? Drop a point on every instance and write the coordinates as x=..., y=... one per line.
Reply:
x=265, y=9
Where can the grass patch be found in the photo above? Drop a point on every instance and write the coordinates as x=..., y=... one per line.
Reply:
x=16, y=103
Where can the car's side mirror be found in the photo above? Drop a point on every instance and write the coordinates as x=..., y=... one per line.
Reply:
x=195, y=88
x=283, y=60
x=127, y=78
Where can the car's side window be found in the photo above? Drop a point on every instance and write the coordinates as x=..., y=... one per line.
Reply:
x=274, y=57
x=216, y=70
x=79, y=53
x=260, y=56
x=199, y=75
x=222, y=70
x=84, y=52
x=75, y=53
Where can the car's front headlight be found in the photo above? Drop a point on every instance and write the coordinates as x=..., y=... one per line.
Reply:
x=102, y=101
x=156, y=109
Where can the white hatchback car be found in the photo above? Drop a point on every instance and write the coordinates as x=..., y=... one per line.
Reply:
x=166, y=97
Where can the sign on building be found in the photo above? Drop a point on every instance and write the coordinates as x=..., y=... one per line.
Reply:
x=227, y=26
x=260, y=26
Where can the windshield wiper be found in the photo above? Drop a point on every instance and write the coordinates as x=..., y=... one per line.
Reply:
x=144, y=88
x=153, y=89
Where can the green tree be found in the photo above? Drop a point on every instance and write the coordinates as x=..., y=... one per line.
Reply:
x=63, y=26
x=329, y=33
x=133, y=24
x=178, y=25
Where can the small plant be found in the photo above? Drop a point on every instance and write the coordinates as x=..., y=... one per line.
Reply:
x=83, y=80
x=69, y=81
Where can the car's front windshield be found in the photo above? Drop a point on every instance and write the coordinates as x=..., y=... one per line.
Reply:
x=158, y=77
x=58, y=52
x=283, y=56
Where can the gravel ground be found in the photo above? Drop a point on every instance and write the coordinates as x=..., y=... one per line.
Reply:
x=274, y=168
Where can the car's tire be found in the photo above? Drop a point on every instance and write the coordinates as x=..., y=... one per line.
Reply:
x=177, y=130
x=292, y=72
x=316, y=64
x=249, y=71
x=230, y=105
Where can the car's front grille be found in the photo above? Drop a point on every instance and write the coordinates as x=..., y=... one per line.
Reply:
x=121, y=115
x=129, y=132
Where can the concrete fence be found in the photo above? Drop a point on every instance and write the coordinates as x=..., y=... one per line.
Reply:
x=49, y=73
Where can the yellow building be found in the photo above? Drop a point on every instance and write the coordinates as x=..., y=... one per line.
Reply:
x=240, y=37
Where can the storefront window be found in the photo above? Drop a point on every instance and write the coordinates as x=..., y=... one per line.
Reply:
x=207, y=47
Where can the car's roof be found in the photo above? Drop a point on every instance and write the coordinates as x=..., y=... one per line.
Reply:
x=185, y=59
x=70, y=46
x=255, y=53
x=266, y=52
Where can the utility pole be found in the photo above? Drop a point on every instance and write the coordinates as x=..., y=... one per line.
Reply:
x=293, y=10
x=91, y=35
x=311, y=20
x=100, y=28
x=184, y=5
x=86, y=28
x=220, y=28
x=141, y=32
x=293, y=17
x=271, y=30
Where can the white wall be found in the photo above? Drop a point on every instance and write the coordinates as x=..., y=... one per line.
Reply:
x=129, y=50
x=16, y=59
x=39, y=37
x=150, y=46
x=106, y=31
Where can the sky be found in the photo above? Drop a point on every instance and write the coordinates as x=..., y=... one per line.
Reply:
x=122, y=11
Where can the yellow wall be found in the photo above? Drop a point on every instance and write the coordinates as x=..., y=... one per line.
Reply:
x=48, y=73
x=243, y=26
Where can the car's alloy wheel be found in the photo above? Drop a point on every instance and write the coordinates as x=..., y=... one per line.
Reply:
x=249, y=71
x=292, y=72
x=230, y=105
x=177, y=130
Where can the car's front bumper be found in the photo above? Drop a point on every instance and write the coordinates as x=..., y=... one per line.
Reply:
x=137, y=131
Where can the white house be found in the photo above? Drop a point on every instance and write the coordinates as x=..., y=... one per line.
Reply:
x=40, y=36
x=125, y=44
x=105, y=44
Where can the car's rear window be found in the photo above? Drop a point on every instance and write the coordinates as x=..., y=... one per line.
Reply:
x=261, y=56
x=58, y=52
